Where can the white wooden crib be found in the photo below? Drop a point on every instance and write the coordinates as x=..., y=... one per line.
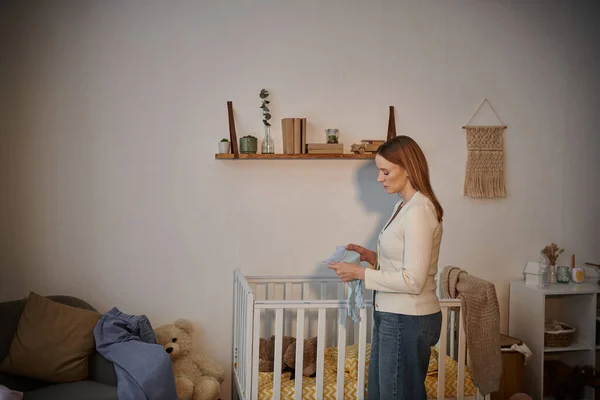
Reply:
x=308, y=306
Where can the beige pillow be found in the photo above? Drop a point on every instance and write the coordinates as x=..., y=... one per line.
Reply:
x=52, y=343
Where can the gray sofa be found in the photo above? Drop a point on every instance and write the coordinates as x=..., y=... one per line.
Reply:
x=101, y=383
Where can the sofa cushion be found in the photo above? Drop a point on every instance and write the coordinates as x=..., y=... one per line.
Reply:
x=101, y=370
x=82, y=390
x=10, y=313
x=20, y=383
x=52, y=343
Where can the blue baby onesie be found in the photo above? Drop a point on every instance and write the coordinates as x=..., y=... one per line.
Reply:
x=355, y=287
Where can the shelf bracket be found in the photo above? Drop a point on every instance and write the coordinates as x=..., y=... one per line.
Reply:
x=391, y=125
x=232, y=134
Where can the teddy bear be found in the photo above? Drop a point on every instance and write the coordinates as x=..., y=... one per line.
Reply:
x=266, y=354
x=196, y=377
x=309, y=358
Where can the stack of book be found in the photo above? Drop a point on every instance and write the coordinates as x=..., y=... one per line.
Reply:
x=325, y=148
x=293, y=132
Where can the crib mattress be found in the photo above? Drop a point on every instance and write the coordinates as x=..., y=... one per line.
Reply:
x=309, y=387
x=309, y=390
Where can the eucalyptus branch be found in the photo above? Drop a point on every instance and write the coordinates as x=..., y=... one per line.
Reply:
x=265, y=106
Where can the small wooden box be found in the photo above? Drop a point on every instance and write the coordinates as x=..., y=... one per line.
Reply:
x=513, y=364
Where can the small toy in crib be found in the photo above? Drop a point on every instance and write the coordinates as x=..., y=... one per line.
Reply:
x=266, y=355
x=266, y=352
x=309, y=358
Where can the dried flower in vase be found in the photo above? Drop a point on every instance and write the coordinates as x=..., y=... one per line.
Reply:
x=552, y=252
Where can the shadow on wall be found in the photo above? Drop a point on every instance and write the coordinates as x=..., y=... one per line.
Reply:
x=19, y=113
x=374, y=200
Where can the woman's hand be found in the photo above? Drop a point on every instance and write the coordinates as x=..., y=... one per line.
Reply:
x=347, y=271
x=365, y=254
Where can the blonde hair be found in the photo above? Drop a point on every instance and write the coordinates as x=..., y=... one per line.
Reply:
x=405, y=152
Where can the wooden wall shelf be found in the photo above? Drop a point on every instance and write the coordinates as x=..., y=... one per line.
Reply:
x=235, y=153
x=349, y=156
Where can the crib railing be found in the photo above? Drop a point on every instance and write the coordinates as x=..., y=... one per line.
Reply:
x=302, y=289
x=301, y=307
x=250, y=308
x=243, y=309
x=447, y=305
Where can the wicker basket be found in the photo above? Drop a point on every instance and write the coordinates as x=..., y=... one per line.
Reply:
x=558, y=334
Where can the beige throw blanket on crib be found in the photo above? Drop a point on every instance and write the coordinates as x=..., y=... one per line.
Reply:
x=482, y=325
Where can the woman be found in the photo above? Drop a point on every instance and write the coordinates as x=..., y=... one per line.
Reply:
x=407, y=316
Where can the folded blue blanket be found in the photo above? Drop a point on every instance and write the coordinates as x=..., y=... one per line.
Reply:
x=355, y=288
x=144, y=369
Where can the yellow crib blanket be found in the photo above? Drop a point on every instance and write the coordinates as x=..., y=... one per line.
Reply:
x=309, y=389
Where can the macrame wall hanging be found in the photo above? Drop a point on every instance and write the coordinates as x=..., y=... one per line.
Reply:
x=484, y=177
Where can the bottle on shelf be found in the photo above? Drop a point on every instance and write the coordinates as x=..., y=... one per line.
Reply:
x=544, y=274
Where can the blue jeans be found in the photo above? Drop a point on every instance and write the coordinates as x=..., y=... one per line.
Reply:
x=400, y=351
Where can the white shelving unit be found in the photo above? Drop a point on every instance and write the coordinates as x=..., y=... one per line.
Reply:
x=574, y=304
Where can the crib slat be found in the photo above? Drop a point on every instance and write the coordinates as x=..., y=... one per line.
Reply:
x=442, y=355
x=255, y=349
x=271, y=296
x=236, y=288
x=299, y=353
x=270, y=291
x=305, y=291
x=452, y=335
x=278, y=355
x=341, y=291
x=249, y=317
x=290, y=322
x=241, y=337
x=323, y=290
x=362, y=353
x=320, y=352
x=461, y=356
x=310, y=315
x=341, y=352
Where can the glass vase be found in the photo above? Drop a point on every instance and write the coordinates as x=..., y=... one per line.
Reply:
x=268, y=145
x=552, y=273
x=332, y=135
x=563, y=274
x=544, y=278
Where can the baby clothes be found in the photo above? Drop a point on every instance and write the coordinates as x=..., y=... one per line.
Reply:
x=338, y=255
x=355, y=287
x=355, y=299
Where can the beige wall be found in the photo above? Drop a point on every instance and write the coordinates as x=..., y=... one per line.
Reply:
x=111, y=113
